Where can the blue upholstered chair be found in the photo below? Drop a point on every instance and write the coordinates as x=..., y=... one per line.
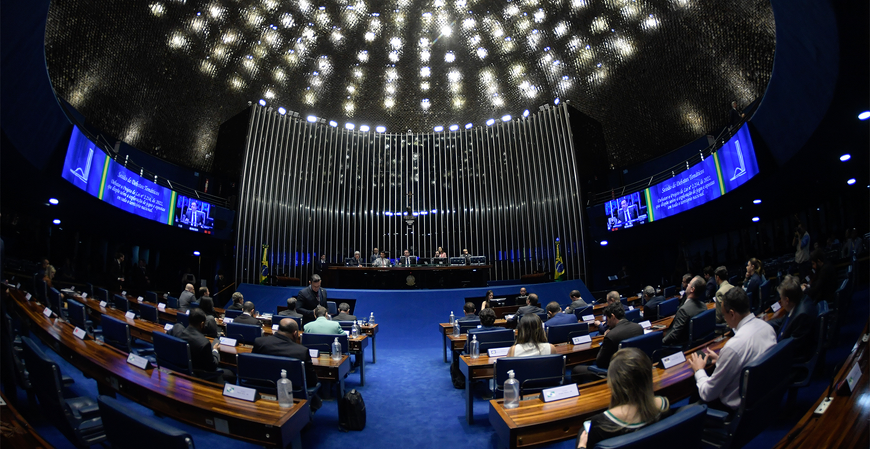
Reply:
x=346, y=325
x=580, y=313
x=323, y=342
x=172, y=302
x=263, y=372
x=763, y=383
x=55, y=303
x=648, y=343
x=464, y=326
x=232, y=313
x=490, y=338
x=669, y=291
x=183, y=319
x=245, y=333
x=151, y=297
x=78, y=418
x=331, y=308
x=563, y=333
x=702, y=327
x=126, y=428
x=684, y=428
x=101, y=294
x=116, y=333
x=533, y=373
x=668, y=307
x=633, y=316
x=78, y=316
x=120, y=303
x=804, y=371
x=172, y=353
x=149, y=313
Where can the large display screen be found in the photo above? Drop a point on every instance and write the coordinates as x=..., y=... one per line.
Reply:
x=193, y=214
x=728, y=168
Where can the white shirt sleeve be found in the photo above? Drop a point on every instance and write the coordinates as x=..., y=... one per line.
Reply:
x=727, y=369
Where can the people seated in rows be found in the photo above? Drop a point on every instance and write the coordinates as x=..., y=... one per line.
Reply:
x=823, y=284
x=440, y=252
x=577, y=303
x=752, y=338
x=678, y=331
x=375, y=255
x=611, y=298
x=487, y=300
x=322, y=325
x=556, y=317
x=356, y=260
x=344, y=313
x=796, y=318
x=754, y=278
x=651, y=303
x=721, y=275
x=285, y=343
x=248, y=315
x=469, y=310
x=531, y=338
x=383, y=260
x=238, y=299
x=712, y=286
x=521, y=299
x=311, y=297
x=487, y=324
x=684, y=285
x=207, y=306
x=186, y=297
x=291, y=309
x=633, y=404
x=853, y=244
x=619, y=329
x=204, y=356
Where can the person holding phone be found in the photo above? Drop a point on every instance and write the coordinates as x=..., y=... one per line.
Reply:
x=632, y=402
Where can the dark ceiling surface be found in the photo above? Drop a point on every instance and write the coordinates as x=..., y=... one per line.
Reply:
x=163, y=75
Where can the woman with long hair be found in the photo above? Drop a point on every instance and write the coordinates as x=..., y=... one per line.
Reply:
x=633, y=405
x=531, y=338
x=487, y=301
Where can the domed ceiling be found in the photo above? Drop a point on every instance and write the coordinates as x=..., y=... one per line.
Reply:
x=163, y=75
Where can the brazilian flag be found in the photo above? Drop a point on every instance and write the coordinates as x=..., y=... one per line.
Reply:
x=560, y=267
x=264, y=265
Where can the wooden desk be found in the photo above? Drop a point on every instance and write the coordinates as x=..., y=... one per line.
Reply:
x=535, y=422
x=16, y=432
x=185, y=398
x=846, y=423
x=398, y=277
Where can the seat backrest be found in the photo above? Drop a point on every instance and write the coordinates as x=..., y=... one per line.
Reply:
x=588, y=310
x=323, y=342
x=116, y=333
x=686, y=427
x=490, y=338
x=464, y=326
x=101, y=294
x=182, y=318
x=76, y=313
x=669, y=291
x=148, y=312
x=151, y=297
x=246, y=333
x=120, y=423
x=763, y=383
x=648, y=343
x=633, y=316
x=533, y=373
x=172, y=302
x=89, y=289
x=702, y=327
x=542, y=316
x=331, y=308
x=172, y=353
x=668, y=307
x=346, y=325
x=54, y=301
x=623, y=300
x=734, y=280
x=232, y=313
x=121, y=303
x=764, y=291
x=562, y=333
x=44, y=374
x=262, y=372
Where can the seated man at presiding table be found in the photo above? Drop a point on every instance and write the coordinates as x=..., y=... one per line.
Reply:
x=238, y=299
x=556, y=317
x=322, y=325
x=469, y=310
x=343, y=313
x=203, y=355
x=619, y=329
x=285, y=343
x=247, y=316
x=291, y=309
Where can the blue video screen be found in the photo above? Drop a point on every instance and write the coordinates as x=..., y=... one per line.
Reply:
x=737, y=160
x=194, y=215
x=689, y=189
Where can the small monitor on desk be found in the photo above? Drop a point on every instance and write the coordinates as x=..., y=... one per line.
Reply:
x=477, y=260
x=425, y=261
x=498, y=302
x=439, y=261
x=456, y=261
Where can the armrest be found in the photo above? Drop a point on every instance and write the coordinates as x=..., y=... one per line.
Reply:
x=600, y=372
x=715, y=418
x=83, y=408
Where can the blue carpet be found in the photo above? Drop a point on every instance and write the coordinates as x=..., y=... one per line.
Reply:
x=410, y=400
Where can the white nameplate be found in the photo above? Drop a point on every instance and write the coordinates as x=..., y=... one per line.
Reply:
x=557, y=393
x=228, y=341
x=239, y=392
x=140, y=299
x=28, y=296
x=103, y=303
x=18, y=286
x=682, y=292
x=645, y=324
x=581, y=340
x=161, y=307
x=854, y=375
x=775, y=306
x=588, y=317
x=274, y=328
x=130, y=315
x=673, y=359
x=314, y=353
x=227, y=320
x=630, y=308
x=187, y=312
x=84, y=295
x=79, y=332
x=498, y=352
x=47, y=312
x=138, y=361
x=124, y=293
x=648, y=331
x=168, y=327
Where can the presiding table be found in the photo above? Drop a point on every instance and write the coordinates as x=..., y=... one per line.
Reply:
x=407, y=277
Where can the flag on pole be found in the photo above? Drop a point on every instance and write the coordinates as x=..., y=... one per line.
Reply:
x=560, y=267
x=264, y=265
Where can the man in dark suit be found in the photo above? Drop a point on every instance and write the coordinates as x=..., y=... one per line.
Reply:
x=469, y=310
x=309, y=298
x=577, y=303
x=626, y=213
x=712, y=286
x=556, y=317
x=344, y=313
x=530, y=307
x=651, y=303
x=611, y=298
x=619, y=330
x=247, y=316
x=186, y=297
x=522, y=298
x=796, y=318
x=291, y=309
x=238, y=299
x=322, y=265
x=684, y=288
x=824, y=285
x=116, y=271
x=203, y=356
x=285, y=343
x=678, y=333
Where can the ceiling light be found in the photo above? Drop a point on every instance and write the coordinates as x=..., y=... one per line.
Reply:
x=282, y=111
x=756, y=201
x=556, y=101
x=851, y=181
x=864, y=115
x=755, y=219
x=364, y=128
x=449, y=57
x=196, y=253
x=526, y=113
x=468, y=125
x=349, y=125
x=262, y=102
x=454, y=127
x=312, y=118
x=604, y=243
x=490, y=122
x=333, y=123
x=381, y=129
x=439, y=128
x=506, y=118
x=845, y=157
x=52, y=201
x=56, y=221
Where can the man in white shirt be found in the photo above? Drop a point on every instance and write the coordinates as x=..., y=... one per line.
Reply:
x=383, y=260
x=752, y=338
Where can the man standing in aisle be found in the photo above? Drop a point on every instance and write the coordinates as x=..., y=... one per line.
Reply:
x=309, y=298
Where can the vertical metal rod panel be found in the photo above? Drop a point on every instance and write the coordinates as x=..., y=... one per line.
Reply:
x=505, y=191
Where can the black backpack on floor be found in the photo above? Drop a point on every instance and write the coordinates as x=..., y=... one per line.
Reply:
x=456, y=376
x=351, y=411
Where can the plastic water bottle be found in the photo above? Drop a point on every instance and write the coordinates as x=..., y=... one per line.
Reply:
x=285, y=391
x=456, y=328
x=511, y=391
x=372, y=319
x=336, y=350
x=452, y=318
x=354, y=331
x=475, y=347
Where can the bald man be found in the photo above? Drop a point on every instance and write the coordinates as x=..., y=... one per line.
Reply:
x=186, y=297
